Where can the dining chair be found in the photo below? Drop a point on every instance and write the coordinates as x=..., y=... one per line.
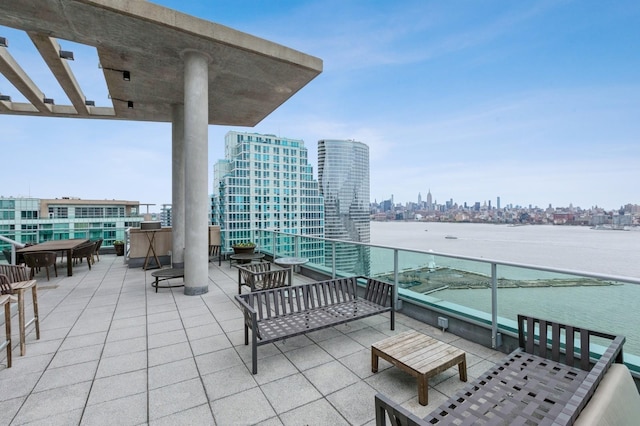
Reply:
x=41, y=259
x=85, y=251
x=96, y=250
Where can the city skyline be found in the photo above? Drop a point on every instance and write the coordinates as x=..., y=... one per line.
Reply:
x=534, y=101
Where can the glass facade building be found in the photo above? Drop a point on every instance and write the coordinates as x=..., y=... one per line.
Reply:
x=343, y=174
x=265, y=183
x=35, y=220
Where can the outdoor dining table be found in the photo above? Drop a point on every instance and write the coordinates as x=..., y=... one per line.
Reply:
x=57, y=245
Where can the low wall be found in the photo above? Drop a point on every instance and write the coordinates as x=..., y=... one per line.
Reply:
x=163, y=244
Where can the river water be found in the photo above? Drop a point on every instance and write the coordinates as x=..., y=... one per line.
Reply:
x=612, y=309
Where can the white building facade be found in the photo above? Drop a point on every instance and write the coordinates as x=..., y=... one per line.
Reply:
x=265, y=183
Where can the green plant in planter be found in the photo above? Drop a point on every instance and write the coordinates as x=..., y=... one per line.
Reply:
x=118, y=245
x=246, y=244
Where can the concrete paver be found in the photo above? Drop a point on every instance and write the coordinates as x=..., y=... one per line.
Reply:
x=113, y=351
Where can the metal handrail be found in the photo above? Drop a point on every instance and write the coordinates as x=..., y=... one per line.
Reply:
x=494, y=263
x=14, y=244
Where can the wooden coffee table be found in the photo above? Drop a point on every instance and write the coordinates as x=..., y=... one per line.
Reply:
x=419, y=355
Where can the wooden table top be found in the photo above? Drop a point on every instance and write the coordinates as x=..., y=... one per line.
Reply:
x=54, y=245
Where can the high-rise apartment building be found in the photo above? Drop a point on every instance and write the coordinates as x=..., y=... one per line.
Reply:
x=35, y=220
x=343, y=174
x=265, y=183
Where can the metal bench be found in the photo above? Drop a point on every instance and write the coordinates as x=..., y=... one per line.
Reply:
x=284, y=312
x=548, y=380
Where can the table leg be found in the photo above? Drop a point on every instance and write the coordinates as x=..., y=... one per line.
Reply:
x=69, y=263
x=423, y=388
x=462, y=369
x=374, y=360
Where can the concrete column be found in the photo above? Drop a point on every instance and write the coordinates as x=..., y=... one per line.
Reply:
x=196, y=127
x=177, y=186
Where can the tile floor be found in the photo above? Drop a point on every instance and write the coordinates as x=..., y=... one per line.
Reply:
x=112, y=351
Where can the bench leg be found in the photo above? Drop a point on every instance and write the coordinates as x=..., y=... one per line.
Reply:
x=423, y=388
x=254, y=353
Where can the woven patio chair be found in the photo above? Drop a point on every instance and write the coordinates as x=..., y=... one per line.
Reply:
x=96, y=254
x=85, y=251
x=41, y=259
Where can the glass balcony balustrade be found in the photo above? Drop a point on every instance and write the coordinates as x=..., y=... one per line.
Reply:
x=488, y=293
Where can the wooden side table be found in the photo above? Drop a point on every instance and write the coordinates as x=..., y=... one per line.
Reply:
x=419, y=355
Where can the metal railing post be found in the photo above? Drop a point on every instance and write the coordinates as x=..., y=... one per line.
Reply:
x=395, y=278
x=494, y=305
x=333, y=259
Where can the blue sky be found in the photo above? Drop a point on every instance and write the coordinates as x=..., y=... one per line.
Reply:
x=537, y=102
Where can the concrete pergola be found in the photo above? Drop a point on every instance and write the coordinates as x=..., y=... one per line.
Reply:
x=180, y=69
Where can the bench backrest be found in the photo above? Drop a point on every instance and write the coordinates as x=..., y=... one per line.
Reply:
x=14, y=273
x=299, y=298
x=560, y=342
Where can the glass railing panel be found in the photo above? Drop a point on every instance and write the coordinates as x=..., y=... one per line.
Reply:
x=462, y=287
x=438, y=281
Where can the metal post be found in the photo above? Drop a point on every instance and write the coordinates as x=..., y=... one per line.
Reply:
x=494, y=305
x=395, y=279
x=333, y=259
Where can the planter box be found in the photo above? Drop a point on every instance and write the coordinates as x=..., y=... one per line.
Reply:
x=243, y=250
x=119, y=248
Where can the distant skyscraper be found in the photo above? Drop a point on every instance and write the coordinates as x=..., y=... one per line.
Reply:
x=265, y=183
x=429, y=201
x=419, y=200
x=498, y=203
x=343, y=174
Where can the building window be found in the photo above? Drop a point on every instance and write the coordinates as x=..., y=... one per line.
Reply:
x=29, y=214
x=59, y=212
